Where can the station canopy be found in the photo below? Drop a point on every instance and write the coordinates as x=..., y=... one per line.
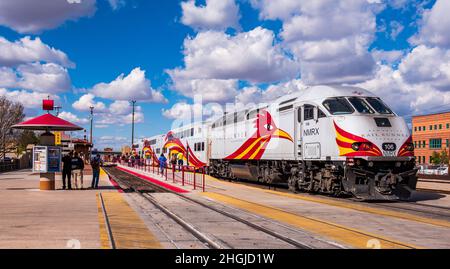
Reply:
x=47, y=122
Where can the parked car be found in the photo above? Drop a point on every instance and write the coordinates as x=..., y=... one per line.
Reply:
x=433, y=170
x=6, y=160
x=442, y=171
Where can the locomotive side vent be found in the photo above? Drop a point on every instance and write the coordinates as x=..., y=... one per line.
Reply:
x=383, y=122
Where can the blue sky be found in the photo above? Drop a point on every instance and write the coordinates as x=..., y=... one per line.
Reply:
x=225, y=51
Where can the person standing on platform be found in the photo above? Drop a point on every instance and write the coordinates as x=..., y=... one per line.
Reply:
x=173, y=161
x=180, y=161
x=95, y=164
x=67, y=171
x=162, y=162
x=77, y=169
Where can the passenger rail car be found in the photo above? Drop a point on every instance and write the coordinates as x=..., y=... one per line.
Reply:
x=325, y=139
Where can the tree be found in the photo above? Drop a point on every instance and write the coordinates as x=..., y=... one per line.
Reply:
x=439, y=158
x=444, y=157
x=10, y=113
x=25, y=138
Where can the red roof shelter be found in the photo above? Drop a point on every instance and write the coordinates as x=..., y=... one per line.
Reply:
x=47, y=122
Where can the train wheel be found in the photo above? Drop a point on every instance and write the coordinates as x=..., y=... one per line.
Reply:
x=292, y=183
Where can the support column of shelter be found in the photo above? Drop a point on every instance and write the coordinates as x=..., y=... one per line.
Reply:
x=47, y=180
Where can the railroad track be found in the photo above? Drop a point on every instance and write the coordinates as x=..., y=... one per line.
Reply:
x=408, y=207
x=131, y=183
x=429, y=210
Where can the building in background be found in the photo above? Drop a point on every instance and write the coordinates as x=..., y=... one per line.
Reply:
x=126, y=150
x=431, y=133
x=68, y=143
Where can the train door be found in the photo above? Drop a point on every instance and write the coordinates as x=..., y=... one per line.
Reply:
x=310, y=133
x=298, y=133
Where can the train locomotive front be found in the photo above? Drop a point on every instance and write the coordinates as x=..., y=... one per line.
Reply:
x=324, y=139
x=353, y=143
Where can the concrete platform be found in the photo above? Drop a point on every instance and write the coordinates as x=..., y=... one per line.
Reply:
x=31, y=218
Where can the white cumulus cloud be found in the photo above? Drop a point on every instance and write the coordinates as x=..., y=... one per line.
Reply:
x=216, y=14
x=250, y=56
x=26, y=98
x=435, y=26
x=329, y=38
x=134, y=86
x=87, y=101
x=26, y=50
x=69, y=116
x=30, y=16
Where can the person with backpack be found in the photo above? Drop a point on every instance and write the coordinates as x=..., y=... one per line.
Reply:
x=95, y=164
x=162, y=162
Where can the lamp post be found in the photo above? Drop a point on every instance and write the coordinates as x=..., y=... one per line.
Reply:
x=92, y=119
x=133, y=103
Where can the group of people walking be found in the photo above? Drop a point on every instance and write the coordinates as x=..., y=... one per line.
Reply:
x=73, y=167
x=175, y=159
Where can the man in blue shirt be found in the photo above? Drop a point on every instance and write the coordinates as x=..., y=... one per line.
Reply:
x=95, y=164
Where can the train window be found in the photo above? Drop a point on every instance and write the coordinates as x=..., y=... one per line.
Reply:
x=285, y=108
x=308, y=112
x=338, y=106
x=229, y=119
x=192, y=131
x=378, y=105
x=360, y=105
x=288, y=101
x=240, y=116
x=299, y=116
x=203, y=146
x=252, y=114
x=321, y=114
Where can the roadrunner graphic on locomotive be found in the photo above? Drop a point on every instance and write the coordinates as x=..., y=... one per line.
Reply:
x=323, y=139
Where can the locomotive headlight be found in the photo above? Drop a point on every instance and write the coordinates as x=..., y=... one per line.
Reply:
x=362, y=146
x=370, y=164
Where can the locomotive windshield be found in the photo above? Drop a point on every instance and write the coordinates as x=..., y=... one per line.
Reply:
x=361, y=105
x=338, y=106
x=378, y=105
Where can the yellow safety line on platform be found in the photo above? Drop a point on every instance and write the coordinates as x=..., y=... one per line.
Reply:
x=104, y=239
x=338, y=233
x=357, y=207
x=102, y=172
x=127, y=228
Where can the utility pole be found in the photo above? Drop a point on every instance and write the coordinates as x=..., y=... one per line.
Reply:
x=92, y=119
x=57, y=108
x=133, y=103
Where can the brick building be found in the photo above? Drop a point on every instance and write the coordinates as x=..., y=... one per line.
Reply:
x=431, y=133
